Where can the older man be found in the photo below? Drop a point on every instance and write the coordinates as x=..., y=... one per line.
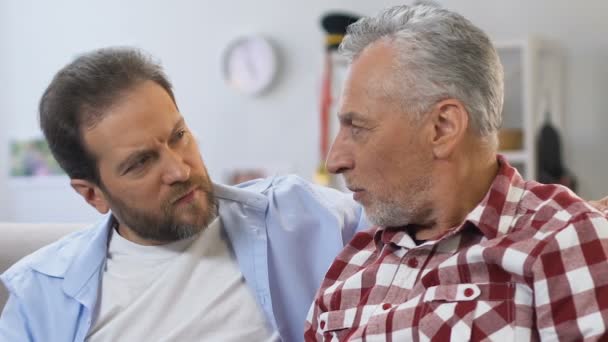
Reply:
x=462, y=248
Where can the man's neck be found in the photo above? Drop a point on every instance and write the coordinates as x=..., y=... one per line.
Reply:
x=459, y=187
x=130, y=235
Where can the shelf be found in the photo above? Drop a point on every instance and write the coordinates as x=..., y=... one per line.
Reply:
x=533, y=79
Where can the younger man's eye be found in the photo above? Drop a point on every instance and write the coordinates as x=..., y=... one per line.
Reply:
x=138, y=164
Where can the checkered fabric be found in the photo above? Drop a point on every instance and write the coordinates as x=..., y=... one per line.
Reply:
x=528, y=263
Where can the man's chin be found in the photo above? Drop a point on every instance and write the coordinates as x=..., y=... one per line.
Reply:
x=185, y=231
x=383, y=216
x=193, y=218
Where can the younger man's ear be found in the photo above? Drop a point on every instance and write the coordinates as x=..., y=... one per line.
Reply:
x=450, y=122
x=91, y=193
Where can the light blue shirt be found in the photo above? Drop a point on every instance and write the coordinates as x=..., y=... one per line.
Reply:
x=284, y=232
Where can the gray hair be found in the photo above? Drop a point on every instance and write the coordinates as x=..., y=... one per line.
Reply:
x=441, y=55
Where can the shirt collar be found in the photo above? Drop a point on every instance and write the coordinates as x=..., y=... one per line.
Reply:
x=79, y=280
x=493, y=216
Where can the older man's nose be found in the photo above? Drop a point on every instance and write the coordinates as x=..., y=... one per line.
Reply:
x=339, y=158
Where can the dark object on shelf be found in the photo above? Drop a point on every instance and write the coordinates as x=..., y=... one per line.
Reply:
x=551, y=168
x=335, y=25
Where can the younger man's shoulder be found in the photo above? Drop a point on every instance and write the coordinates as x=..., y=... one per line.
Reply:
x=285, y=188
x=53, y=259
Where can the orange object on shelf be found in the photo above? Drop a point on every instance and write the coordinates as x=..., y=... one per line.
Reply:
x=510, y=139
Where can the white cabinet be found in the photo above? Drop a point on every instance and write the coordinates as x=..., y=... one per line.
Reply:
x=533, y=93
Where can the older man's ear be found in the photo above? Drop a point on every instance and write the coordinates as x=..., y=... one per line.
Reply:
x=601, y=205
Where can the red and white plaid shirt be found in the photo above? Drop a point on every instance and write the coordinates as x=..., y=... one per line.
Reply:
x=528, y=263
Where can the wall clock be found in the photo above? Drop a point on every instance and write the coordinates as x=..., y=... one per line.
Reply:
x=250, y=64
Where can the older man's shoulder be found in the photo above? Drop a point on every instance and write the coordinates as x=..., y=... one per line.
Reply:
x=551, y=207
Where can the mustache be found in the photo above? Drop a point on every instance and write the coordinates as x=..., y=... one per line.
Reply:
x=181, y=189
x=351, y=185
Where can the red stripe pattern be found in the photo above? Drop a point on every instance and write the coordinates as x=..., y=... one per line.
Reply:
x=325, y=107
x=527, y=264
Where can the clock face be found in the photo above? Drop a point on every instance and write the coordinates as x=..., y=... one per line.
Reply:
x=250, y=64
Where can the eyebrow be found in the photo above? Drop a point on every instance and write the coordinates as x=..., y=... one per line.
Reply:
x=134, y=156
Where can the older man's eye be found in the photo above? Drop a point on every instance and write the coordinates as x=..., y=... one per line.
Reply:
x=178, y=136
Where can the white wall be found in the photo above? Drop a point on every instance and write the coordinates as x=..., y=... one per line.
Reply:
x=188, y=36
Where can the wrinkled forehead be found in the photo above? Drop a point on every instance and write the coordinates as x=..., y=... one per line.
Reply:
x=372, y=73
x=142, y=117
x=370, y=83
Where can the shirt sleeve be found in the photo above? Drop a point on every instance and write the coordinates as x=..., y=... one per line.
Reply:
x=294, y=192
x=570, y=282
x=13, y=324
x=351, y=213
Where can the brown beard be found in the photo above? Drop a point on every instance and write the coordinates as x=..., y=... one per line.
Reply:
x=164, y=226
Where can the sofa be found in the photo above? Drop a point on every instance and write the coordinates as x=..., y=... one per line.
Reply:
x=20, y=239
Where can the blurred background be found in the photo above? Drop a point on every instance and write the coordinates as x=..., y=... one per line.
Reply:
x=554, y=51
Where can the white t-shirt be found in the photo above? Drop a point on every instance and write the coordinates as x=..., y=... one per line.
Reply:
x=189, y=290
